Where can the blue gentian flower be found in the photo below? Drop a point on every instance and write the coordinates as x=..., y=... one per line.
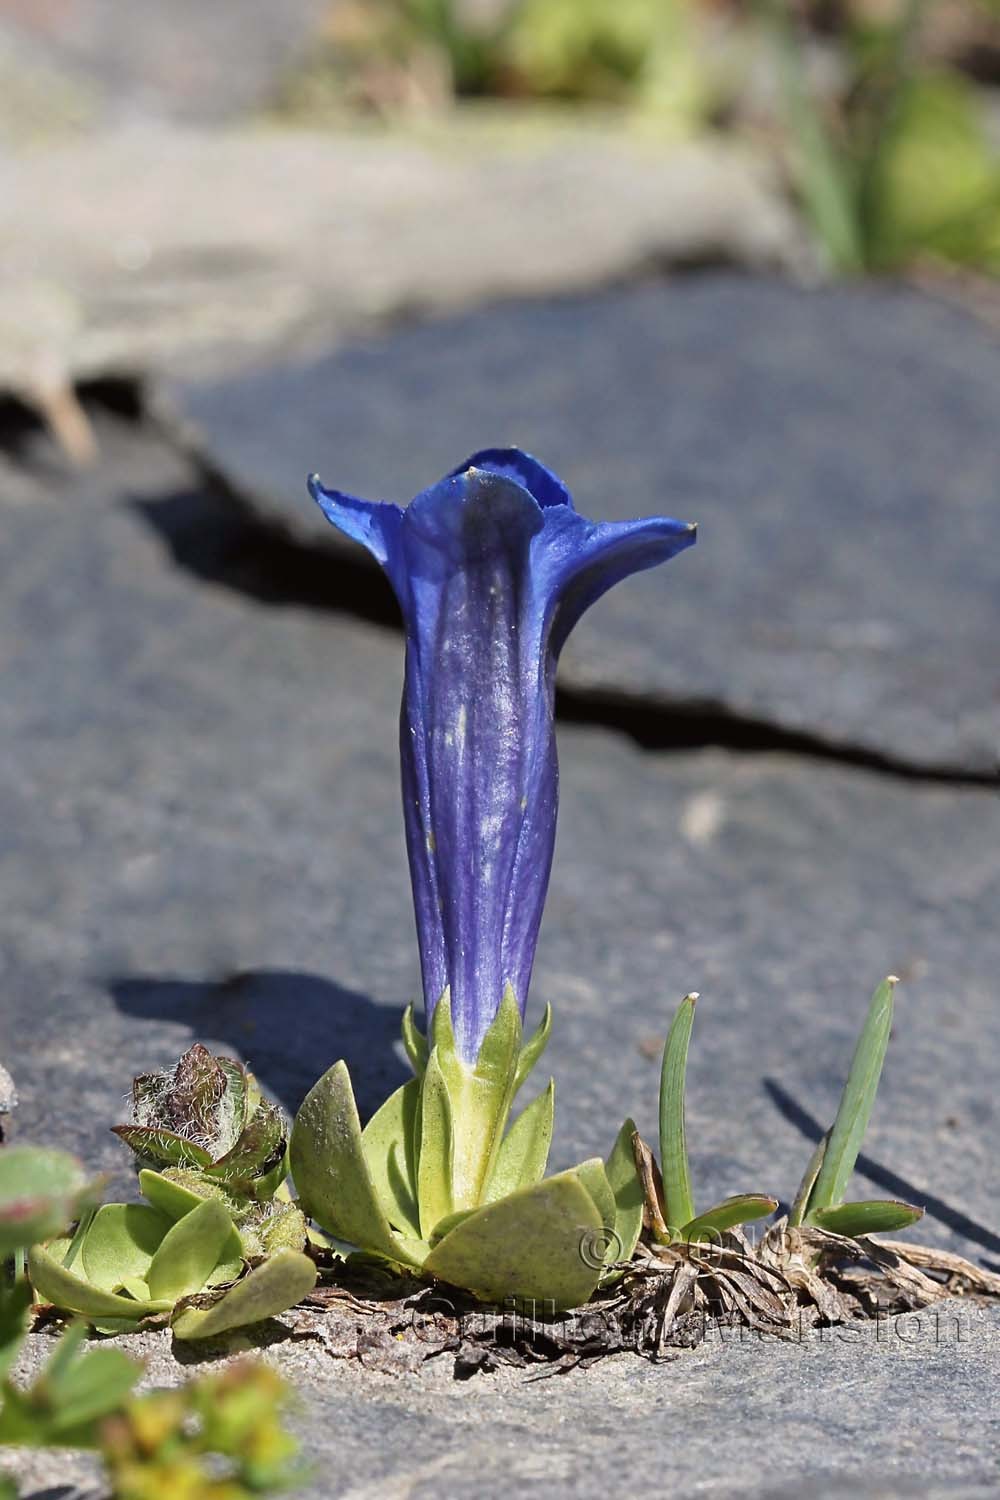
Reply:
x=492, y=568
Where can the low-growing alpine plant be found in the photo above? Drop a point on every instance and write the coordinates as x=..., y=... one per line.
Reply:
x=492, y=568
x=218, y=1243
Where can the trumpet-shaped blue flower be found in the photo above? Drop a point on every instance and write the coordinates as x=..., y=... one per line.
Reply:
x=492, y=568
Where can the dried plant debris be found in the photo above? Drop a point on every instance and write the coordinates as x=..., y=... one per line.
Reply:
x=670, y=1298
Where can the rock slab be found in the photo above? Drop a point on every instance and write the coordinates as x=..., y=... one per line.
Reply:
x=838, y=449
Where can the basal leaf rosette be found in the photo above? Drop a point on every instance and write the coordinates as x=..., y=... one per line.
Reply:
x=206, y=1126
x=218, y=1242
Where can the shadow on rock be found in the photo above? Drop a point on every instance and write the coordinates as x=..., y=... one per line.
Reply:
x=890, y=1182
x=213, y=534
x=289, y=1027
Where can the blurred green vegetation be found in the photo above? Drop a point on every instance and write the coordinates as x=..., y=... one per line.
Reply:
x=884, y=114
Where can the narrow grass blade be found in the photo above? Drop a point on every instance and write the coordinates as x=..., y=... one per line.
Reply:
x=800, y=1207
x=856, y=1103
x=678, y=1203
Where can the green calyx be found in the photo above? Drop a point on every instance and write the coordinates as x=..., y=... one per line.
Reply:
x=134, y=1261
x=438, y=1183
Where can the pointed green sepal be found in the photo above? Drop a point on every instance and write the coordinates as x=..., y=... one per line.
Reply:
x=678, y=1202
x=626, y=1185
x=331, y=1175
x=53, y=1283
x=531, y=1245
x=524, y=1150
x=389, y=1143
x=270, y=1289
x=415, y=1043
x=875, y=1216
x=533, y=1048
x=856, y=1103
x=743, y=1208
x=496, y=1064
x=435, y=1161
x=440, y=1033
x=479, y=1098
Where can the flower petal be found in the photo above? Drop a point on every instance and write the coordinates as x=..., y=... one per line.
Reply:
x=373, y=523
x=599, y=556
x=510, y=463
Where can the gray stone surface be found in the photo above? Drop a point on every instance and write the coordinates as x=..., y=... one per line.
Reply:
x=905, y=1410
x=202, y=839
x=839, y=450
x=149, y=247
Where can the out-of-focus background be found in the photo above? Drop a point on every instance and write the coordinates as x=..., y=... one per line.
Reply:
x=178, y=176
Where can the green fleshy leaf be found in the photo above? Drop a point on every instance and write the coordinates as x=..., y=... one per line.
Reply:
x=592, y=1175
x=175, y=1200
x=41, y=1191
x=446, y=1225
x=120, y=1244
x=150, y=1143
x=524, y=1150
x=533, y=1048
x=798, y=1209
x=170, y=1197
x=530, y=1245
x=390, y=1150
x=856, y=1103
x=875, y=1216
x=53, y=1283
x=626, y=1185
x=331, y=1175
x=190, y=1251
x=134, y=1286
x=678, y=1202
x=435, y=1161
x=415, y=1043
x=743, y=1208
x=270, y=1289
